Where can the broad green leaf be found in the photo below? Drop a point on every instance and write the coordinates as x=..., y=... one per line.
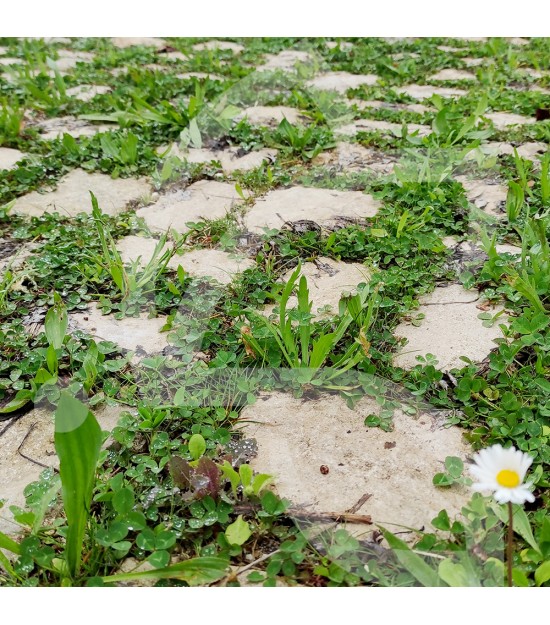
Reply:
x=196, y=572
x=77, y=443
x=456, y=574
x=245, y=473
x=521, y=524
x=454, y=466
x=56, y=322
x=123, y=500
x=10, y=545
x=197, y=446
x=414, y=564
x=238, y=532
x=542, y=574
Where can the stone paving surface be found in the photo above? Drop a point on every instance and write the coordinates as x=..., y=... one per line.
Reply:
x=302, y=86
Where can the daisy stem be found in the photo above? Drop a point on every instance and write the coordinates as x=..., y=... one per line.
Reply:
x=510, y=542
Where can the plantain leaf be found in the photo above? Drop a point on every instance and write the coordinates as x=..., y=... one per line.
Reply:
x=77, y=443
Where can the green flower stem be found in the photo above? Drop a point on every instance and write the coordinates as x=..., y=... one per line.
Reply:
x=510, y=542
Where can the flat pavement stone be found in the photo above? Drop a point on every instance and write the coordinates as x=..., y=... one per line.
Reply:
x=322, y=206
x=205, y=199
x=72, y=195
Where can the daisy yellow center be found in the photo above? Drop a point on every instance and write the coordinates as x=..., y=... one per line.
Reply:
x=508, y=479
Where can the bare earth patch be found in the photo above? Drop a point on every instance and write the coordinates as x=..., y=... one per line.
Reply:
x=296, y=437
x=323, y=206
x=449, y=330
x=72, y=195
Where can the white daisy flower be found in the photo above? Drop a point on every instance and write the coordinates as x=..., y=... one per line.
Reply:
x=502, y=471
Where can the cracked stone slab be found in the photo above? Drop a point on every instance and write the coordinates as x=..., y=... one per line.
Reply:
x=296, y=437
x=327, y=280
x=9, y=157
x=72, y=195
x=341, y=81
x=448, y=49
x=56, y=127
x=8, y=60
x=85, y=93
x=450, y=329
x=136, y=334
x=323, y=206
x=489, y=197
x=452, y=74
x=204, y=199
x=355, y=157
x=469, y=246
x=473, y=62
x=421, y=92
x=362, y=125
x=399, y=56
x=502, y=120
x=221, y=266
x=126, y=42
x=392, y=106
x=68, y=59
x=530, y=150
x=232, y=159
x=343, y=45
x=271, y=115
x=219, y=45
x=17, y=472
x=202, y=263
x=285, y=60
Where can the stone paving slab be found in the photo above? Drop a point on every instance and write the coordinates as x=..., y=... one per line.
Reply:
x=421, y=92
x=531, y=150
x=16, y=472
x=232, y=159
x=489, y=197
x=9, y=157
x=363, y=125
x=200, y=263
x=271, y=115
x=355, y=157
x=85, y=93
x=56, y=127
x=285, y=60
x=502, y=120
x=341, y=81
x=214, y=44
x=452, y=74
x=392, y=106
x=136, y=334
x=450, y=329
x=322, y=206
x=126, y=42
x=296, y=437
x=201, y=200
x=72, y=195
